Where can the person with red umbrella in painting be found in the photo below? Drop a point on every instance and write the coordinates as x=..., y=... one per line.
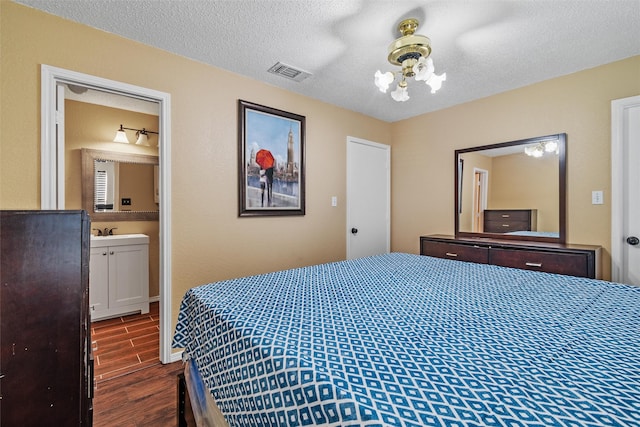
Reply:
x=265, y=160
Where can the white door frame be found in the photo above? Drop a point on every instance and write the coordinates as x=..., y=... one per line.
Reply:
x=387, y=148
x=52, y=168
x=618, y=232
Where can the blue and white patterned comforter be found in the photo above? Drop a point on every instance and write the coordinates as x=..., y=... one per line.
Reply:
x=408, y=340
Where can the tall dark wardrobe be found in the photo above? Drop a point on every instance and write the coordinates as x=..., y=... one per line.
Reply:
x=46, y=367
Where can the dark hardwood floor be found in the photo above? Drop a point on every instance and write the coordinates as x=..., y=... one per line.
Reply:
x=145, y=398
x=132, y=388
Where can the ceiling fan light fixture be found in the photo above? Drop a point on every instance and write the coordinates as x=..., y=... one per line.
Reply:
x=401, y=94
x=383, y=80
x=412, y=52
x=435, y=81
x=423, y=69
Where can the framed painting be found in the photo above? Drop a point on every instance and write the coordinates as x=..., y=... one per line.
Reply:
x=271, y=161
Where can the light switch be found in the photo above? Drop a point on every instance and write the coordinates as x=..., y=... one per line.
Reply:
x=597, y=198
x=334, y=201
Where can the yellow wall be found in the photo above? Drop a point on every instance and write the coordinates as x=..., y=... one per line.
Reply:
x=578, y=104
x=94, y=126
x=209, y=241
x=519, y=181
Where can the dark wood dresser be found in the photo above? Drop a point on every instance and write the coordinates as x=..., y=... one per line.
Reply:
x=506, y=220
x=572, y=260
x=46, y=364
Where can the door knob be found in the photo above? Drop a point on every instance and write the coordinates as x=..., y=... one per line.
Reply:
x=633, y=240
x=354, y=230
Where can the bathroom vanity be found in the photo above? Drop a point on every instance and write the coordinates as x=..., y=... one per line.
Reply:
x=118, y=275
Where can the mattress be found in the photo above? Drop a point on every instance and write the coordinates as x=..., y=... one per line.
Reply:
x=408, y=340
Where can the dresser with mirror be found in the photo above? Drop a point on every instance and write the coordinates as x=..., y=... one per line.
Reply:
x=510, y=210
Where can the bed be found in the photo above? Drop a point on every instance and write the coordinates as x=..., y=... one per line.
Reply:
x=408, y=340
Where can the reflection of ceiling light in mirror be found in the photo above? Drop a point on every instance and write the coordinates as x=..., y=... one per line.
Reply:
x=540, y=148
x=551, y=146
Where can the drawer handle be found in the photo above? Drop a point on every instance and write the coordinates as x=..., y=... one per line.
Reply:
x=533, y=264
x=451, y=254
x=505, y=225
x=506, y=216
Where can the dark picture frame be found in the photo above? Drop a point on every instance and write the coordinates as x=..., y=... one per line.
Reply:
x=271, y=167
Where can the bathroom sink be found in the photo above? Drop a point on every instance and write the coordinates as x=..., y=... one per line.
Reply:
x=119, y=239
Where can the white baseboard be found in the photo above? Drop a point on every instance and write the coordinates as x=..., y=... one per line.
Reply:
x=176, y=357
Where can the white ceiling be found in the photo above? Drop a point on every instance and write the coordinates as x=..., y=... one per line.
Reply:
x=484, y=46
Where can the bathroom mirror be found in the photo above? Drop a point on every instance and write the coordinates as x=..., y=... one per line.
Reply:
x=120, y=186
x=512, y=190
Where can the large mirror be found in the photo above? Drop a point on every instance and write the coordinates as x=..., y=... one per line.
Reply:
x=512, y=190
x=119, y=186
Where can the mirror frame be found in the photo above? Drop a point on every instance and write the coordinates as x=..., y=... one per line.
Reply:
x=89, y=156
x=562, y=190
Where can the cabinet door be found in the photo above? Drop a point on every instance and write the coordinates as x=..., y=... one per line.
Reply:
x=128, y=275
x=99, y=281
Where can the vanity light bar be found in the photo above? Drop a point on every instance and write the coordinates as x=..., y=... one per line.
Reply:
x=142, y=135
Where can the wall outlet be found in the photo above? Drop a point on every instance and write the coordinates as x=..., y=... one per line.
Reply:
x=334, y=201
x=597, y=198
x=126, y=202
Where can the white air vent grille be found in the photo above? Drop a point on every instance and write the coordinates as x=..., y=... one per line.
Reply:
x=289, y=72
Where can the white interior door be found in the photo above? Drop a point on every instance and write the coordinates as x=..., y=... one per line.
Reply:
x=625, y=195
x=368, y=198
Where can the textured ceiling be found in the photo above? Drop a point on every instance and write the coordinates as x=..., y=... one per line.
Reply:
x=485, y=47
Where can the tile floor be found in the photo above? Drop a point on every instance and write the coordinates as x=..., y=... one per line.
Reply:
x=125, y=344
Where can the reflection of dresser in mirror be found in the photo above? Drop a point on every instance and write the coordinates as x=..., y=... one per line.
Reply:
x=510, y=220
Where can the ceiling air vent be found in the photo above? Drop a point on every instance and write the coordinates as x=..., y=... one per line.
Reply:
x=289, y=72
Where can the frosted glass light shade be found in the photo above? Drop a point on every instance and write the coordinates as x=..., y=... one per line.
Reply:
x=121, y=136
x=143, y=139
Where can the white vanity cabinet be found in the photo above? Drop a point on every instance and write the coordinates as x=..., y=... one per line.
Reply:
x=118, y=275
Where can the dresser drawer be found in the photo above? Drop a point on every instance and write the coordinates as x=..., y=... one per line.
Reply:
x=506, y=226
x=455, y=251
x=573, y=264
x=507, y=215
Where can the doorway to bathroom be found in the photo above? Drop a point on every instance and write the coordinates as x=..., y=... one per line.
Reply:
x=55, y=82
